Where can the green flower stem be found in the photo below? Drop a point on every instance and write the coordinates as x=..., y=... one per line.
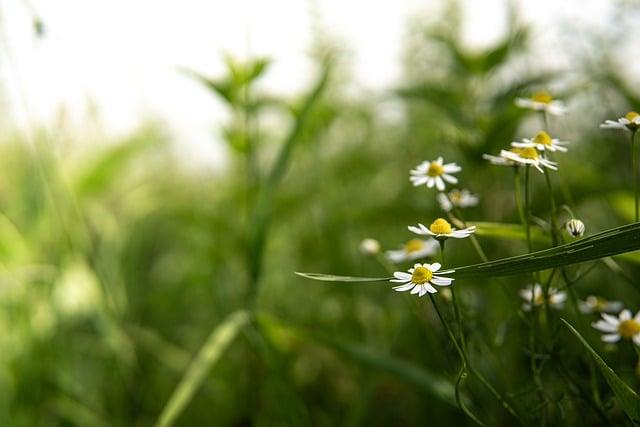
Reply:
x=463, y=368
x=462, y=348
x=634, y=166
x=520, y=205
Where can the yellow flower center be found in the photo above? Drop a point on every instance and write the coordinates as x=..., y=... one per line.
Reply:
x=421, y=275
x=628, y=328
x=543, y=97
x=455, y=196
x=435, y=169
x=631, y=116
x=526, y=152
x=538, y=299
x=413, y=245
x=440, y=226
x=542, y=138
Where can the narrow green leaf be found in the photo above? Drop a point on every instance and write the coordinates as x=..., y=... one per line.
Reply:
x=102, y=171
x=611, y=242
x=219, y=340
x=332, y=278
x=608, y=243
x=627, y=398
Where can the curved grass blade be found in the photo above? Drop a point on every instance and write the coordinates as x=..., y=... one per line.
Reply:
x=219, y=340
x=611, y=242
x=627, y=398
x=346, y=279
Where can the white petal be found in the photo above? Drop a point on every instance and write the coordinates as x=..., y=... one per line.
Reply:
x=396, y=256
x=624, y=315
x=611, y=338
x=416, y=289
x=401, y=275
x=439, y=183
x=403, y=288
x=442, y=281
x=603, y=326
x=434, y=267
x=451, y=168
x=611, y=319
x=450, y=178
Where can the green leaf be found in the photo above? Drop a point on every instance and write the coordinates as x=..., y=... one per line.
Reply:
x=611, y=242
x=615, y=241
x=627, y=398
x=101, y=172
x=332, y=278
x=212, y=350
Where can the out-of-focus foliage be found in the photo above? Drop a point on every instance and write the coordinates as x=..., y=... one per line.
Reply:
x=118, y=265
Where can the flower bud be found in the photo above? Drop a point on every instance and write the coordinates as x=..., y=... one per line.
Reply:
x=370, y=247
x=575, y=227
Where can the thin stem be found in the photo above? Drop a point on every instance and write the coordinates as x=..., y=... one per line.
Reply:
x=527, y=208
x=520, y=203
x=634, y=166
x=462, y=348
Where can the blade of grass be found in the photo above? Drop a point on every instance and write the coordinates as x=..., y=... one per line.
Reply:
x=212, y=350
x=611, y=242
x=627, y=398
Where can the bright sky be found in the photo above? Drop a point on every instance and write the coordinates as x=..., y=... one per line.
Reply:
x=122, y=55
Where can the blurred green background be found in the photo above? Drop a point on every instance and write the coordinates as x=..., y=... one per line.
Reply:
x=118, y=262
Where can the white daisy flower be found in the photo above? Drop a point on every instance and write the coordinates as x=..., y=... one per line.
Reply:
x=421, y=278
x=542, y=101
x=542, y=142
x=414, y=249
x=528, y=156
x=575, y=227
x=535, y=293
x=370, y=247
x=440, y=229
x=630, y=122
x=623, y=326
x=457, y=198
x=434, y=173
x=595, y=304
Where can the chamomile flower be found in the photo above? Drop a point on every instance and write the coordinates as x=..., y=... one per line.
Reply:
x=457, y=198
x=623, y=326
x=412, y=250
x=542, y=101
x=421, y=278
x=596, y=304
x=575, y=227
x=434, y=173
x=542, y=142
x=440, y=229
x=535, y=294
x=630, y=122
x=528, y=156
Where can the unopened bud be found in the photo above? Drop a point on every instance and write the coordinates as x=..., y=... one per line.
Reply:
x=575, y=227
x=370, y=247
